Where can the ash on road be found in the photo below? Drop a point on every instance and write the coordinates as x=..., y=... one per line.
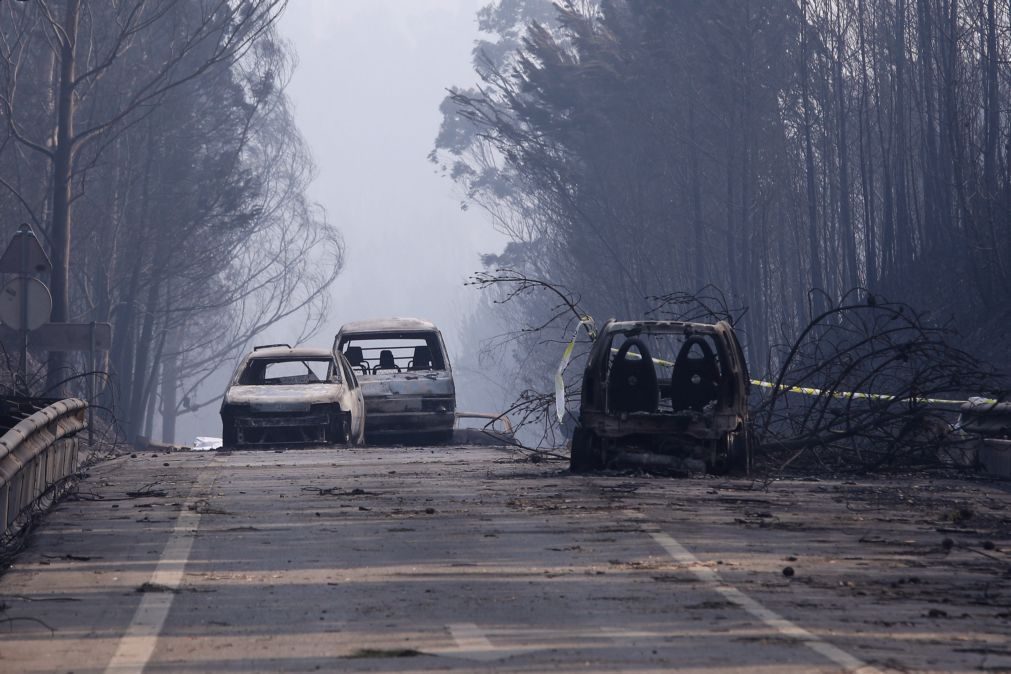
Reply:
x=468, y=559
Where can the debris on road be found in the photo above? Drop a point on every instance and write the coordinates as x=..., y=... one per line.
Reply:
x=337, y=491
x=366, y=653
x=205, y=444
x=156, y=587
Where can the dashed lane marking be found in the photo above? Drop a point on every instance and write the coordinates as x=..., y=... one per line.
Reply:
x=772, y=619
x=473, y=644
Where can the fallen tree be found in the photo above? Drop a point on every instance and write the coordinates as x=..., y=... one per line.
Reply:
x=868, y=385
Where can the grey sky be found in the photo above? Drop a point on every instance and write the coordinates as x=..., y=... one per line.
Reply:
x=366, y=95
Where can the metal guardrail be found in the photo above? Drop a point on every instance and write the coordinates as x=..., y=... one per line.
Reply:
x=988, y=426
x=986, y=418
x=498, y=430
x=37, y=454
x=506, y=424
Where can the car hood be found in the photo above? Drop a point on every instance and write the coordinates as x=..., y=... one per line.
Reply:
x=282, y=398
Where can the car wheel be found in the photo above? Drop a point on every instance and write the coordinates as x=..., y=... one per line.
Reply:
x=359, y=440
x=731, y=454
x=229, y=436
x=340, y=430
x=719, y=451
x=585, y=453
x=739, y=459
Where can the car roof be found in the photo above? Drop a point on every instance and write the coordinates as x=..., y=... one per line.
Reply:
x=388, y=325
x=291, y=352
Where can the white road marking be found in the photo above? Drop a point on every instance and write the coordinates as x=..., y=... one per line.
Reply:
x=137, y=645
x=472, y=644
x=777, y=622
x=469, y=638
x=624, y=633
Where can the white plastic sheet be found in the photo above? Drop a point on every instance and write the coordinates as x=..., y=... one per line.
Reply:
x=203, y=444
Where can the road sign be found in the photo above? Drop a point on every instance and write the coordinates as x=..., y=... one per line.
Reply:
x=38, y=304
x=24, y=254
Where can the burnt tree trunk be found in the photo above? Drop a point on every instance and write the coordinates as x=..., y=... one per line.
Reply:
x=814, y=244
x=63, y=160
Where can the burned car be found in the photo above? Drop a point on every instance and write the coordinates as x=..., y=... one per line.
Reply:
x=283, y=396
x=664, y=394
x=405, y=376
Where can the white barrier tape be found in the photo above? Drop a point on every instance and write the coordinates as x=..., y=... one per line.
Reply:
x=566, y=356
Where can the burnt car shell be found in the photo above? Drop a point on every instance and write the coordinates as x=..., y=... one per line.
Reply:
x=407, y=397
x=270, y=413
x=697, y=418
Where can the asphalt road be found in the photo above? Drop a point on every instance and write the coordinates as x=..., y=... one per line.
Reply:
x=471, y=559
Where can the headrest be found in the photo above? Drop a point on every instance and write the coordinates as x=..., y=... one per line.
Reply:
x=422, y=358
x=354, y=355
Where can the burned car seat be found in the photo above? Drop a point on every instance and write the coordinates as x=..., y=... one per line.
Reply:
x=632, y=384
x=422, y=359
x=695, y=380
x=386, y=362
x=356, y=358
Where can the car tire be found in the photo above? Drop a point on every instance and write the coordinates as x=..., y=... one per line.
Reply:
x=739, y=459
x=229, y=436
x=719, y=454
x=731, y=454
x=585, y=454
x=340, y=430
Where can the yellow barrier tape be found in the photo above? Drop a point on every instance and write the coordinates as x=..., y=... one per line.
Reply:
x=635, y=356
x=807, y=390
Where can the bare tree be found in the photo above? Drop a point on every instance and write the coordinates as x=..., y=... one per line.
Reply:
x=92, y=43
x=191, y=229
x=631, y=149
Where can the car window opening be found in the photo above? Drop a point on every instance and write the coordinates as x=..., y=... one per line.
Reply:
x=376, y=353
x=277, y=372
x=663, y=373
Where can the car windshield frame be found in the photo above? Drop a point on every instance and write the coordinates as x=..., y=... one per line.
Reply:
x=247, y=375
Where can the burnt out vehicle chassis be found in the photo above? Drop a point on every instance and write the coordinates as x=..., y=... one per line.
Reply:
x=246, y=428
x=281, y=396
x=406, y=379
x=411, y=421
x=703, y=427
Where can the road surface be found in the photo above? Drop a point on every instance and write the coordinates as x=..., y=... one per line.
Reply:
x=474, y=560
